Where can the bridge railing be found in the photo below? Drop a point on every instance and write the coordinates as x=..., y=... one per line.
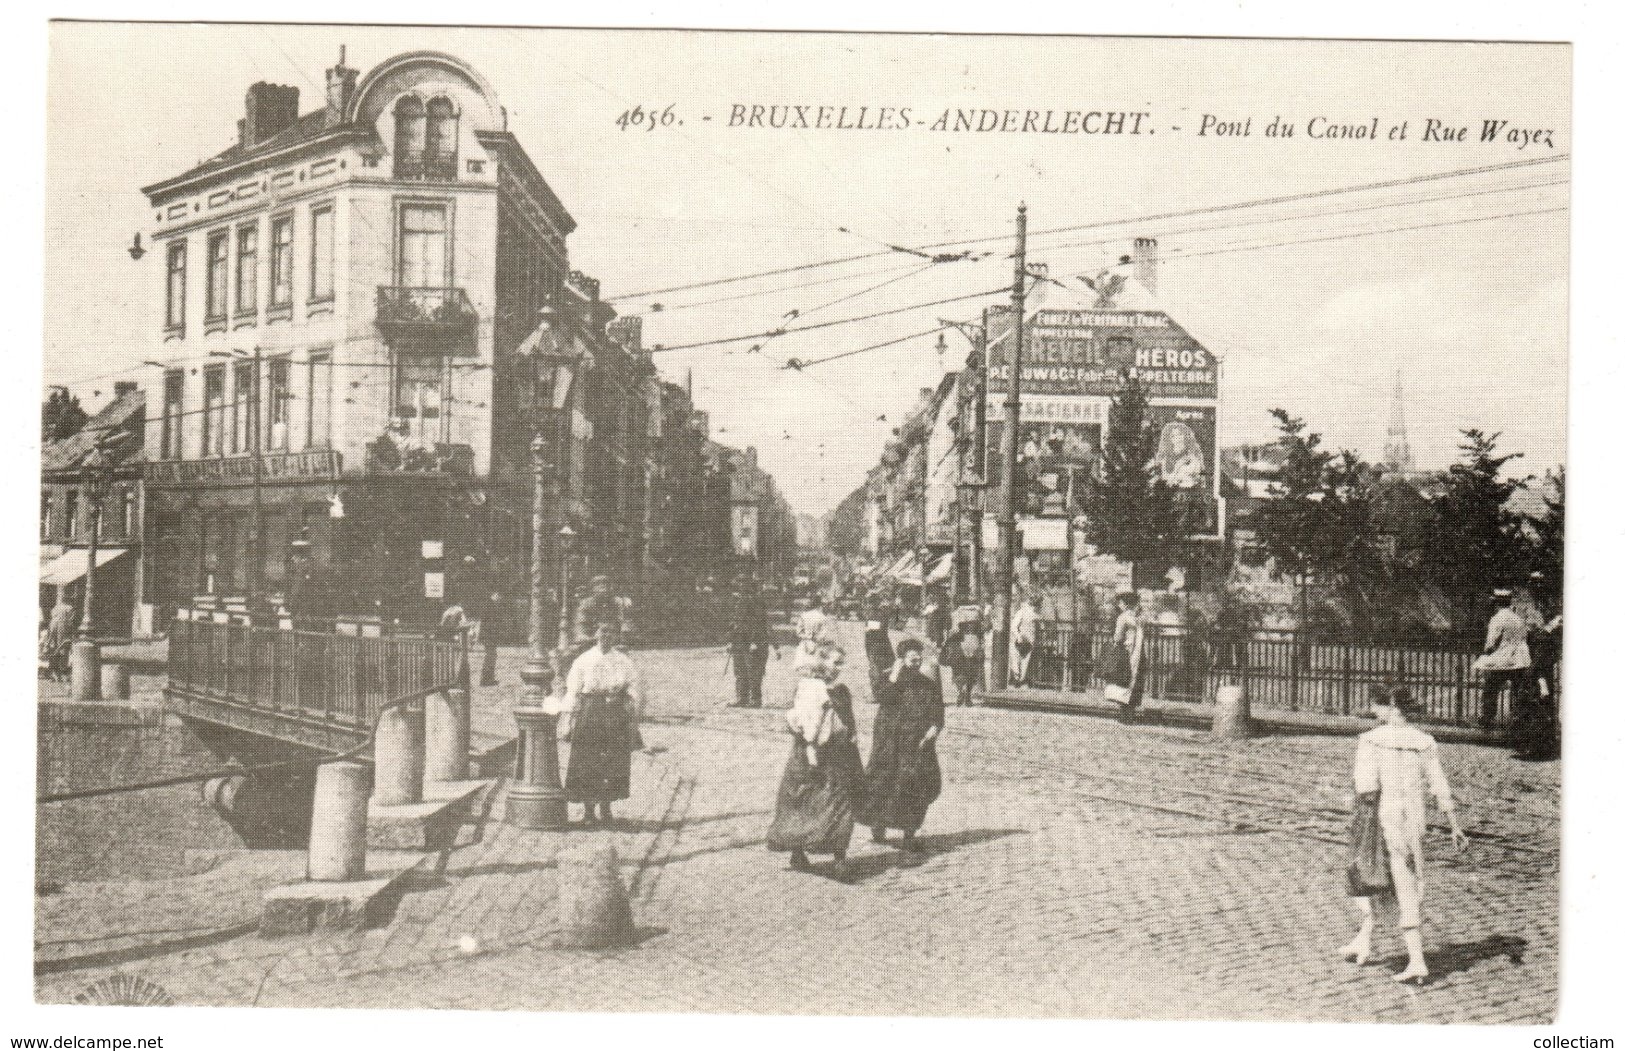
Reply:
x=331, y=678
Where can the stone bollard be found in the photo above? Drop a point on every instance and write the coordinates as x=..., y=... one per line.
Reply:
x=1232, y=720
x=85, y=671
x=115, y=682
x=446, y=728
x=398, y=757
x=338, y=823
x=594, y=912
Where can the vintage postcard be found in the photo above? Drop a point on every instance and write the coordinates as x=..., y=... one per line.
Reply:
x=802, y=523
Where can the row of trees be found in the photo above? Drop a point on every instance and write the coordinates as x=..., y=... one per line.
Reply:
x=1386, y=547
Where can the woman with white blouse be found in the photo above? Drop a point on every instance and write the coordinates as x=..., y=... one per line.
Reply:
x=1395, y=767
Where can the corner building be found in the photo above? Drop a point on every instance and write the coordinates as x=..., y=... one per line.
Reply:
x=363, y=309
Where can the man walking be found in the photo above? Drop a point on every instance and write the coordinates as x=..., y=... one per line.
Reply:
x=1505, y=663
x=748, y=643
x=601, y=606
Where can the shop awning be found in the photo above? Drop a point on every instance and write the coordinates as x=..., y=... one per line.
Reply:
x=941, y=569
x=71, y=565
x=905, y=567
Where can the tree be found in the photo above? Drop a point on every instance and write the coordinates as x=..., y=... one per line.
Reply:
x=1546, y=538
x=62, y=416
x=1132, y=513
x=1480, y=543
x=1319, y=520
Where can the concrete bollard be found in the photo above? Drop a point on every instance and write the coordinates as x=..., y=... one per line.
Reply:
x=338, y=823
x=446, y=730
x=594, y=912
x=85, y=671
x=115, y=682
x=398, y=757
x=1232, y=718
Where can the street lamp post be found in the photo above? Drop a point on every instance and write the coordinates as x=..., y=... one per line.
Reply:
x=85, y=659
x=536, y=799
x=567, y=543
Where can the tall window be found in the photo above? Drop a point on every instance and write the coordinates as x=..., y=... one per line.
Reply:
x=47, y=506
x=422, y=261
x=214, y=410
x=411, y=133
x=282, y=261
x=214, y=307
x=169, y=442
x=248, y=269
x=440, y=143
x=321, y=253
x=419, y=381
x=319, y=420
x=130, y=509
x=242, y=405
x=175, y=288
x=277, y=397
x=70, y=507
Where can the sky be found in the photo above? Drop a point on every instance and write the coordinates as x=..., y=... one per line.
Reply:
x=1458, y=284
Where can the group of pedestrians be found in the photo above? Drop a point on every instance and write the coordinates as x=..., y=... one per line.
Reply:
x=1521, y=654
x=827, y=789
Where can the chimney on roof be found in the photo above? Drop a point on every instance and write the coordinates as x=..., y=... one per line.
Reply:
x=1145, y=262
x=123, y=387
x=340, y=89
x=270, y=108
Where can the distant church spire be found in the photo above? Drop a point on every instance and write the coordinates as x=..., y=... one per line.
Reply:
x=1396, y=452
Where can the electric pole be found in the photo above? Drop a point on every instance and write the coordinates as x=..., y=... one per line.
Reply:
x=1005, y=571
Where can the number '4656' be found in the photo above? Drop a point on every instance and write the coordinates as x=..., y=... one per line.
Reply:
x=648, y=119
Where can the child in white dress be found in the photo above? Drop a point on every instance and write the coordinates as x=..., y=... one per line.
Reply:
x=1401, y=763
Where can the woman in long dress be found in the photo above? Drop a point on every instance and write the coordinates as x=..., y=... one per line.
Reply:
x=877, y=648
x=1124, y=667
x=903, y=777
x=823, y=776
x=1395, y=765
x=603, y=697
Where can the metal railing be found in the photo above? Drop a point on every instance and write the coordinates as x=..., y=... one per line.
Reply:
x=1285, y=670
x=426, y=164
x=433, y=309
x=340, y=679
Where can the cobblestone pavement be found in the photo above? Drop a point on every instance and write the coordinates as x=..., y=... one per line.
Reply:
x=1072, y=867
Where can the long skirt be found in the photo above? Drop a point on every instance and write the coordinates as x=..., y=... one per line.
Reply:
x=601, y=744
x=902, y=782
x=816, y=804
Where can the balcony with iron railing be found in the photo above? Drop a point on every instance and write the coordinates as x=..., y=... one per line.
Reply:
x=441, y=315
x=429, y=165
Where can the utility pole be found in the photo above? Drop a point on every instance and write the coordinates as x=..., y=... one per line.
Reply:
x=978, y=582
x=1005, y=571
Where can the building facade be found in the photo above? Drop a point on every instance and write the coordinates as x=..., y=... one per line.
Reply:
x=68, y=514
x=369, y=313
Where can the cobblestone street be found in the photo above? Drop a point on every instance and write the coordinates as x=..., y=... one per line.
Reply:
x=1073, y=867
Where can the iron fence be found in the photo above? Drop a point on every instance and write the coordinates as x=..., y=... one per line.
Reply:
x=1288, y=670
x=333, y=678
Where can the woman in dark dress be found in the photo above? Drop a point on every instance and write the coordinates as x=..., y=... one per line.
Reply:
x=823, y=777
x=903, y=778
x=877, y=648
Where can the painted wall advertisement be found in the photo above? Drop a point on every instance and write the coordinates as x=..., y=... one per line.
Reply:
x=1073, y=364
x=1092, y=351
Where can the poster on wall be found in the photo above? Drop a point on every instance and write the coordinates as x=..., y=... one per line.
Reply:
x=1186, y=446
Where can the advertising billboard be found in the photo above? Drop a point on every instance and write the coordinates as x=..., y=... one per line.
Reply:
x=1092, y=352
